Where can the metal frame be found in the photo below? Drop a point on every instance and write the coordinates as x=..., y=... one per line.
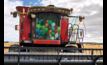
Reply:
x=59, y=58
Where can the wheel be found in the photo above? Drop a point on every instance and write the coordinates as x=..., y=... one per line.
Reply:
x=72, y=50
x=14, y=48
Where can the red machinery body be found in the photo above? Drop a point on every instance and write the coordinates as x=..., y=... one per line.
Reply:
x=26, y=28
x=49, y=25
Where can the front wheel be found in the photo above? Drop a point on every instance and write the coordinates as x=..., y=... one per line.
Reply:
x=72, y=50
x=14, y=48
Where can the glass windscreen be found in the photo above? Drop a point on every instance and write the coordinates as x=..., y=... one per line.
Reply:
x=47, y=26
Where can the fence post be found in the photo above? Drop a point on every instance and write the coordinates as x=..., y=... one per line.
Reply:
x=59, y=57
x=19, y=55
x=92, y=54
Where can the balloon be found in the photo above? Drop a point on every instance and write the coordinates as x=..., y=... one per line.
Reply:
x=52, y=38
x=37, y=36
x=53, y=28
x=46, y=24
x=53, y=34
x=38, y=26
x=53, y=24
x=37, y=31
x=50, y=31
x=56, y=36
x=50, y=22
x=41, y=21
x=45, y=30
x=42, y=27
x=42, y=33
x=59, y=29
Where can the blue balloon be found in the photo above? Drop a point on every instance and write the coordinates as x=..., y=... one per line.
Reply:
x=36, y=31
x=53, y=24
x=53, y=28
x=41, y=21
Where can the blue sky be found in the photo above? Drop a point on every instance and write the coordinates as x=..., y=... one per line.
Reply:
x=31, y=2
x=91, y=9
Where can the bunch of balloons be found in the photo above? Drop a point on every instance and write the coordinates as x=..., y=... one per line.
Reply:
x=48, y=28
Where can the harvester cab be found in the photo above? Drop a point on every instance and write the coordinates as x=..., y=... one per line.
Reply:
x=48, y=26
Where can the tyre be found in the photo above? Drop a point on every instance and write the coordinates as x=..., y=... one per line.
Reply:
x=72, y=50
x=14, y=48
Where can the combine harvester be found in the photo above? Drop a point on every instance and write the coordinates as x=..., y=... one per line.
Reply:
x=48, y=37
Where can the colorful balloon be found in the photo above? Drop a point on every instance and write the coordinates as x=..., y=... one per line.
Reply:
x=56, y=36
x=46, y=24
x=50, y=31
x=38, y=26
x=41, y=21
x=59, y=29
x=45, y=30
x=43, y=27
x=53, y=34
x=37, y=31
x=50, y=22
x=52, y=38
x=52, y=28
x=53, y=24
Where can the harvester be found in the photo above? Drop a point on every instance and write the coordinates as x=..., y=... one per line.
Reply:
x=49, y=35
x=48, y=26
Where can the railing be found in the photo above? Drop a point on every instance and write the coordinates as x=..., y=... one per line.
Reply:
x=58, y=55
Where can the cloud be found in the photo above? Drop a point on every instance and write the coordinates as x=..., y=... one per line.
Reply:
x=9, y=22
x=76, y=4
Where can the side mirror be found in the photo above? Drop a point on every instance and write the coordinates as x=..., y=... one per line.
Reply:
x=81, y=18
x=14, y=14
x=16, y=27
x=80, y=33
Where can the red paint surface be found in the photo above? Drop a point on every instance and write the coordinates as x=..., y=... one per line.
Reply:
x=20, y=8
x=24, y=23
x=50, y=42
x=64, y=30
x=25, y=31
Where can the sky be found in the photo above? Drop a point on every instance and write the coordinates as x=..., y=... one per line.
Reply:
x=91, y=9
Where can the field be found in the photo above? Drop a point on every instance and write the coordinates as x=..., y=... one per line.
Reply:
x=94, y=46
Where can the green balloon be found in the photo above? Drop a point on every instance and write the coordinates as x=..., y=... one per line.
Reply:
x=45, y=30
x=43, y=27
x=53, y=28
x=59, y=29
x=43, y=33
x=53, y=34
x=52, y=38
x=38, y=26
x=50, y=22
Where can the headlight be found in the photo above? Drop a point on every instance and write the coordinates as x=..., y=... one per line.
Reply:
x=33, y=16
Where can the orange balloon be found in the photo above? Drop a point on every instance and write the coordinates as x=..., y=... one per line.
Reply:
x=56, y=31
x=46, y=21
x=50, y=31
x=46, y=24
